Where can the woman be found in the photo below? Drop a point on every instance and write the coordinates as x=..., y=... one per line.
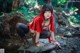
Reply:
x=41, y=23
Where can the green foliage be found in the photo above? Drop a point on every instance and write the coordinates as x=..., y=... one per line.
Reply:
x=59, y=2
x=74, y=19
x=41, y=2
x=26, y=11
x=28, y=14
x=31, y=2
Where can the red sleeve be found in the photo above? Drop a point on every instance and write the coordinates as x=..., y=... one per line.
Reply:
x=36, y=26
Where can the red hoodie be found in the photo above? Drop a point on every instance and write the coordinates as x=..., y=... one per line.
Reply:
x=36, y=25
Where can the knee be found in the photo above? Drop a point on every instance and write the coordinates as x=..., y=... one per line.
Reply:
x=18, y=25
x=32, y=31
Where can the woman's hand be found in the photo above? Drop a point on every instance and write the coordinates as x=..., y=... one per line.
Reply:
x=56, y=43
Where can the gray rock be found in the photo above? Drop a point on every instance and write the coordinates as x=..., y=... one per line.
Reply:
x=53, y=51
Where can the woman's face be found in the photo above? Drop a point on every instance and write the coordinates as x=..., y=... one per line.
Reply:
x=47, y=14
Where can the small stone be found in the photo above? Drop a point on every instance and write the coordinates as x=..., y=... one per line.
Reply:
x=52, y=52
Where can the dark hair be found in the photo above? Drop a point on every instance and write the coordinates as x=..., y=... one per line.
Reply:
x=47, y=7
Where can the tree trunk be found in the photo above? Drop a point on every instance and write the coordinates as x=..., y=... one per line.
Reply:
x=17, y=3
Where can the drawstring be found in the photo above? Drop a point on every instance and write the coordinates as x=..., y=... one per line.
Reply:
x=49, y=39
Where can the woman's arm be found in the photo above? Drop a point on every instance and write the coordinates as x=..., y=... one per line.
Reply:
x=37, y=43
x=53, y=37
x=37, y=34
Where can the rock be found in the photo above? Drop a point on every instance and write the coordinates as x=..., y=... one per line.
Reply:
x=61, y=40
x=52, y=52
x=68, y=34
x=73, y=50
x=46, y=48
x=2, y=50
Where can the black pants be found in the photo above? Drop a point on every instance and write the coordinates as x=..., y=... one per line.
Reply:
x=22, y=29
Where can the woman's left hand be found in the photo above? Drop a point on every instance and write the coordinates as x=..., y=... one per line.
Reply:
x=56, y=43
